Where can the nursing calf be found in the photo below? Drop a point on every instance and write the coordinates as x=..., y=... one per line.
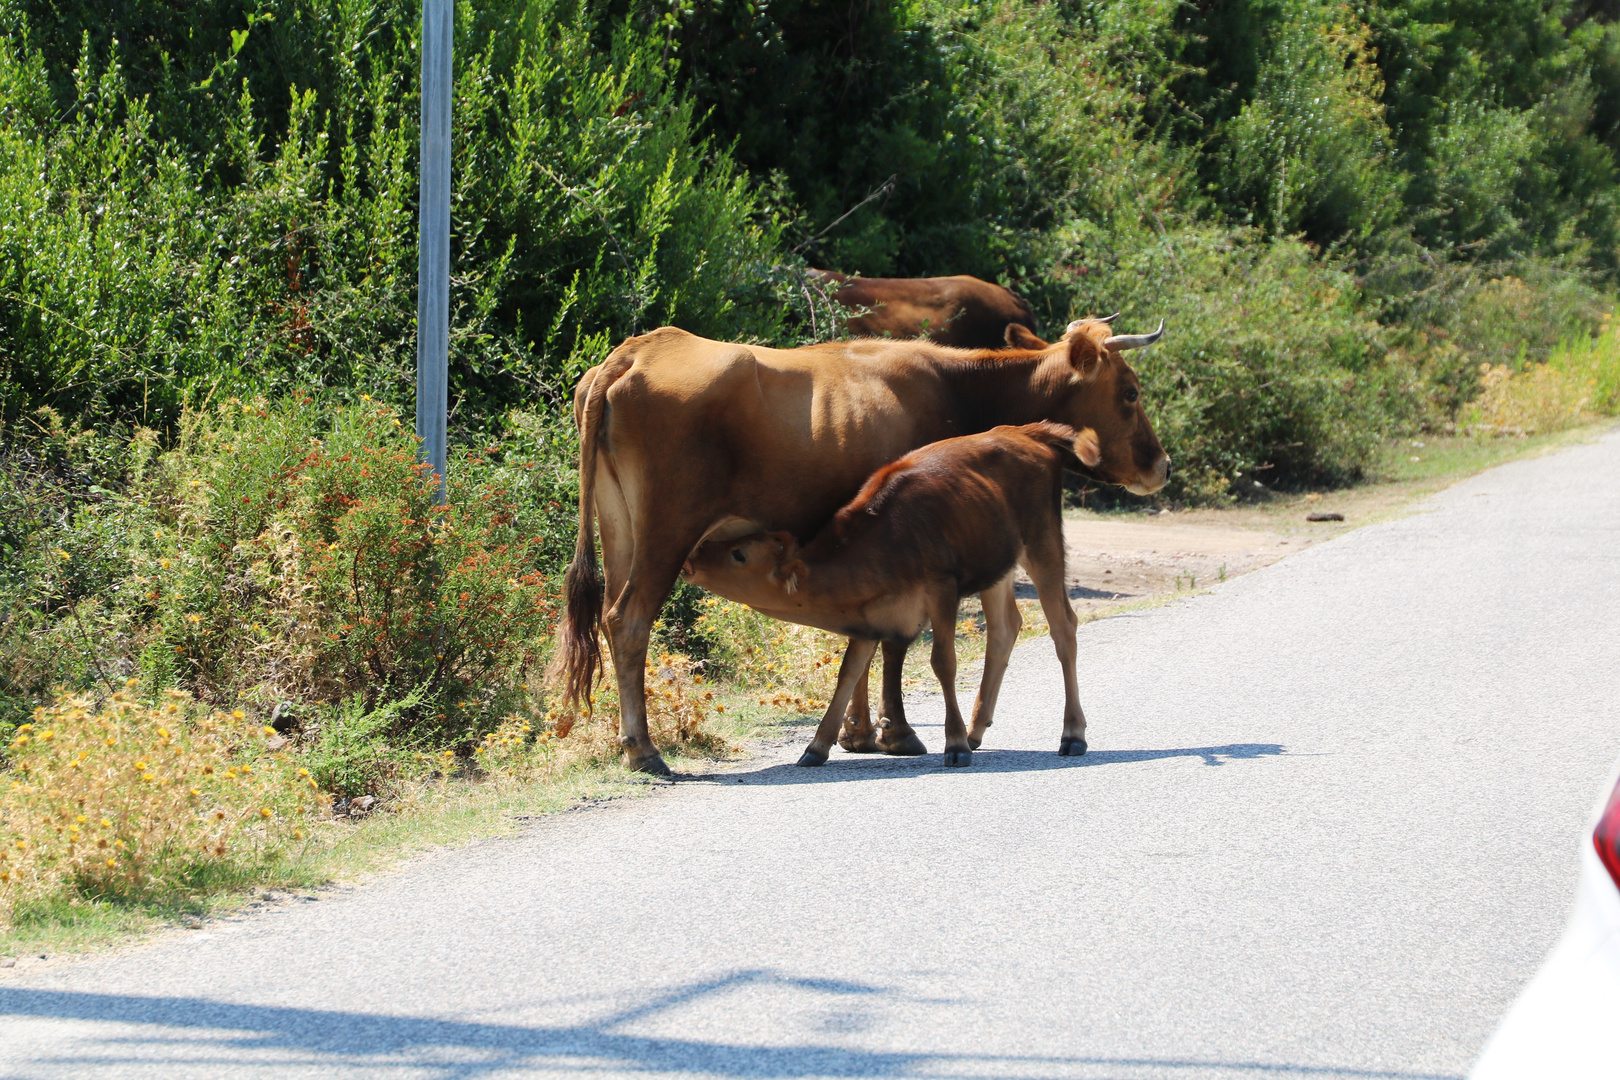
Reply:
x=949, y=520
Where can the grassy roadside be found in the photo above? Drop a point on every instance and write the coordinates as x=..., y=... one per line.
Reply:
x=473, y=805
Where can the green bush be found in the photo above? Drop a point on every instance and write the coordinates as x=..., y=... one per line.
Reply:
x=356, y=751
x=295, y=552
x=172, y=241
x=1267, y=365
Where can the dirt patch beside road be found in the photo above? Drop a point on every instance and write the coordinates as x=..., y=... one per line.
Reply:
x=1114, y=561
x=1123, y=559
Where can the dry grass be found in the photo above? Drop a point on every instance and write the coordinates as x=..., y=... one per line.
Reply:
x=680, y=708
x=124, y=798
x=1579, y=382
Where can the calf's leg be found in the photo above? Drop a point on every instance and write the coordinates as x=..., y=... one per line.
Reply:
x=857, y=656
x=1001, y=624
x=942, y=613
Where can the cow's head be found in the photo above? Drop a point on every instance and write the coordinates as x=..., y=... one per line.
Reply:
x=761, y=570
x=1100, y=391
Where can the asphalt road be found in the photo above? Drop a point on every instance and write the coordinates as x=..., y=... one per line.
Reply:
x=1326, y=829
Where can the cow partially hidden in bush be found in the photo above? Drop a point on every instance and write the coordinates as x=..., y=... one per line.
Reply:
x=684, y=440
x=944, y=522
x=961, y=311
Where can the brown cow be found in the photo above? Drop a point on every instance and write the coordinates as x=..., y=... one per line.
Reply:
x=951, y=519
x=684, y=440
x=960, y=311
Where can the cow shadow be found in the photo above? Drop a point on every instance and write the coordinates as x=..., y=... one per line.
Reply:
x=843, y=767
x=1023, y=590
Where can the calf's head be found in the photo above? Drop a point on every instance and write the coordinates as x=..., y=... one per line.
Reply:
x=1100, y=391
x=761, y=570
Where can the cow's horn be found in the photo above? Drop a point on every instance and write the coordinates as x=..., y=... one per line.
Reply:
x=1110, y=318
x=1134, y=341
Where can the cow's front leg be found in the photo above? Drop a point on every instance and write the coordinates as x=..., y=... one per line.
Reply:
x=859, y=735
x=897, y=736
x=857, y=656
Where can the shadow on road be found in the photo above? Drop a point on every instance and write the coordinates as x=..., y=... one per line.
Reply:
x=842, y=766
x=196, y=1036
x=1025, y=591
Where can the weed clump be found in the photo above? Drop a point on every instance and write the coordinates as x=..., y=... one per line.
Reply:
x=797, y=664
x=125, y=797
x=679, y=706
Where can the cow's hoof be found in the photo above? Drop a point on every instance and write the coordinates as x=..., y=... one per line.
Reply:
x=859, y=740
x=957, y=758
x=1071, y=747
x=976, y=741
x=652, y=763
x=907, y=745
x=812, y=757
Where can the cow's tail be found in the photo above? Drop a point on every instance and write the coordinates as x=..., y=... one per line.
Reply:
x=580, y=651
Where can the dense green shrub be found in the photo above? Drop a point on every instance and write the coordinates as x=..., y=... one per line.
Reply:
x=167, y=242
x=294, y=552
x=1342, y=213
x=1267, y=363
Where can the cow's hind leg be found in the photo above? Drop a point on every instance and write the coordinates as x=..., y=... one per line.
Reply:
x=859, y=735
x=897, y=737
x=1001, y=623
x=629, y=627
x=942, y=613
x=857, y=656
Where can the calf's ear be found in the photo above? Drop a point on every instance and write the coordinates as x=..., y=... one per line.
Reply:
x=790, y=575
x=1086, y=447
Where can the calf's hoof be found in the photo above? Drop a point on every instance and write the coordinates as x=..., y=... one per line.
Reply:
x=976, y=739
x=652, y=763
x=897, y=744
x=958, y=758
x=812, y=757
x=863, y=740
x=1071, y=747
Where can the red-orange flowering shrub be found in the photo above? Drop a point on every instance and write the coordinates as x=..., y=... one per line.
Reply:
x=296, y=552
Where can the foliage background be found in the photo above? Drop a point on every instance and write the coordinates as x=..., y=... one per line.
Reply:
x=1357, y=219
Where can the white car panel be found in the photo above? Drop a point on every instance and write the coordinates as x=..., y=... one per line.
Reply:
x=1566, y=1024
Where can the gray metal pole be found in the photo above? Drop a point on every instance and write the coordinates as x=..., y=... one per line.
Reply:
x=433, y=259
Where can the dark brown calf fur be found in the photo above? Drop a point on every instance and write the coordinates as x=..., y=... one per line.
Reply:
x=952, y=519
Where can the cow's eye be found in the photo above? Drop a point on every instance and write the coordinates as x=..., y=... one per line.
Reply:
x=1131, y=394
x=737, y=553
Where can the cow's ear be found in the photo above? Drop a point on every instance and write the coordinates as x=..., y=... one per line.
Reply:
x=1087, y=448
x=1020, y=336
x=1085, y=354
x=791, y=575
